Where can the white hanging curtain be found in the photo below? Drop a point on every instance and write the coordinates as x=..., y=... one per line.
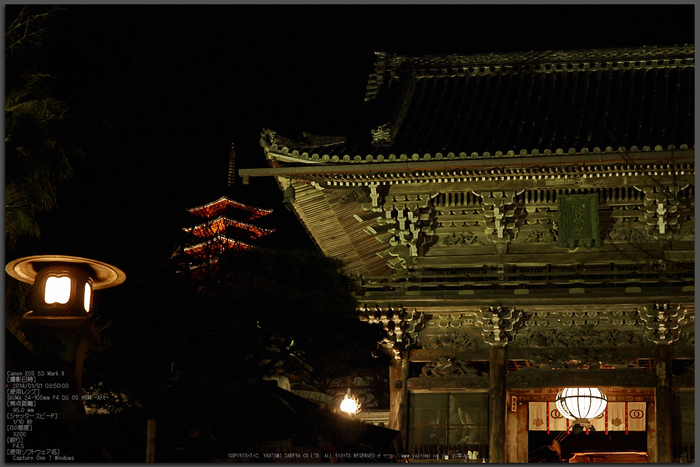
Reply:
x=618, y=416
x=538, y=416
x=637, y=416
x=599, y=422
x=557, y=421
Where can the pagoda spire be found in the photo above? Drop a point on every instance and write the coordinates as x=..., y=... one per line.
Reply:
x=232, y=166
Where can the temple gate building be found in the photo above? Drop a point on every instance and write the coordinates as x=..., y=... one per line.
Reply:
x=520, y=223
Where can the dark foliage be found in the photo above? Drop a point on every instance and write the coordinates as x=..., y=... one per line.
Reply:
x=191, y=352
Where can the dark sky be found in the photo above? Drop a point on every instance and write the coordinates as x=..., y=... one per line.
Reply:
x=195, y=79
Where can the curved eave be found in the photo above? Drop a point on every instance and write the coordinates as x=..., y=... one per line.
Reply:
x=221, y=241
x=219, y=205
x=292, y=159
x=285, y=154
x=331, y=223
x=221, y=223
x=612, y=163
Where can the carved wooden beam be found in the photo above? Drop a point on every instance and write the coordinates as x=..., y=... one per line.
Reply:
x=599, y=256
x=401, y=326
x=595, y=298
x=662, y=322
x=500, y=215
x=447, y=383
x=661, y=214
x=533, y=378
x=499, y=324
x=402, y=221
x=614, y=394
x=427, y=355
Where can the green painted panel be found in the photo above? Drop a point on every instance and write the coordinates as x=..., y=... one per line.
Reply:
x=578, y=221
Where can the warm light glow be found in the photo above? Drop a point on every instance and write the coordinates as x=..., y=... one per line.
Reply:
x=581, y=403
x=350, y=404
x=87, y=296
x=57, y=290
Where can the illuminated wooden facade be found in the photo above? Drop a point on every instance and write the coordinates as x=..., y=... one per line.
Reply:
x=521, y=223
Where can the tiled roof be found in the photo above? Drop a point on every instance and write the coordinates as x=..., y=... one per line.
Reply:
x=515, y=105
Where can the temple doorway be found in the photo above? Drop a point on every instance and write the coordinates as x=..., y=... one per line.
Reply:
x=560, y=446
x=616, y=435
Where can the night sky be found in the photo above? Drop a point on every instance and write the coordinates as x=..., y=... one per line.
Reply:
x=196, y=79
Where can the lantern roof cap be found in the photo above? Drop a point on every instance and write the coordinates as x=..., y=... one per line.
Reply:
x=103, y=275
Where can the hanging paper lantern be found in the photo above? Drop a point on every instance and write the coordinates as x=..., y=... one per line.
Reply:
x=581, y=404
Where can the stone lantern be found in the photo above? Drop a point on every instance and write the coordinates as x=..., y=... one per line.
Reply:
x=61, y=332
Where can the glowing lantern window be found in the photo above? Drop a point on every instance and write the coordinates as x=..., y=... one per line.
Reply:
x=581, y=403
x=87, y=297
x=57, y=290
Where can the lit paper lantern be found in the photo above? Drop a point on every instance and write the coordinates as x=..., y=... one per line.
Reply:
x=581, y=404
x=62, y=290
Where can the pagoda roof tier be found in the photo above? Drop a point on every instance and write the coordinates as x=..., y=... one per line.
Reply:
x=222, y=204
x=222, y=224
x=218, y=244
x=512, y=105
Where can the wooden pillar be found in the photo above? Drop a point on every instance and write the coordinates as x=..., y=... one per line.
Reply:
x=497, y=405
x=517, y=426
x=398, y=396
x=664, y=404
x=652, y=452
x=394, y=393
x=516, y=430
x=511, y=430
x=523, y=433
x=151, y=440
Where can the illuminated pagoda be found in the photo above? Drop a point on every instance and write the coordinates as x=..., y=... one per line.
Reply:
x=521, y=223
x=228, y=224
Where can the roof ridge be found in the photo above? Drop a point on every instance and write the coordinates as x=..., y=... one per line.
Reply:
x=547, y=60
x=391, y=61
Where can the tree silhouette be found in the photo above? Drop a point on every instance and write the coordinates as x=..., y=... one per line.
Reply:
x=190, y=350
x=37, y=136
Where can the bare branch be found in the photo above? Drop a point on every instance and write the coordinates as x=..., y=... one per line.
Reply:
x=27, y=29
